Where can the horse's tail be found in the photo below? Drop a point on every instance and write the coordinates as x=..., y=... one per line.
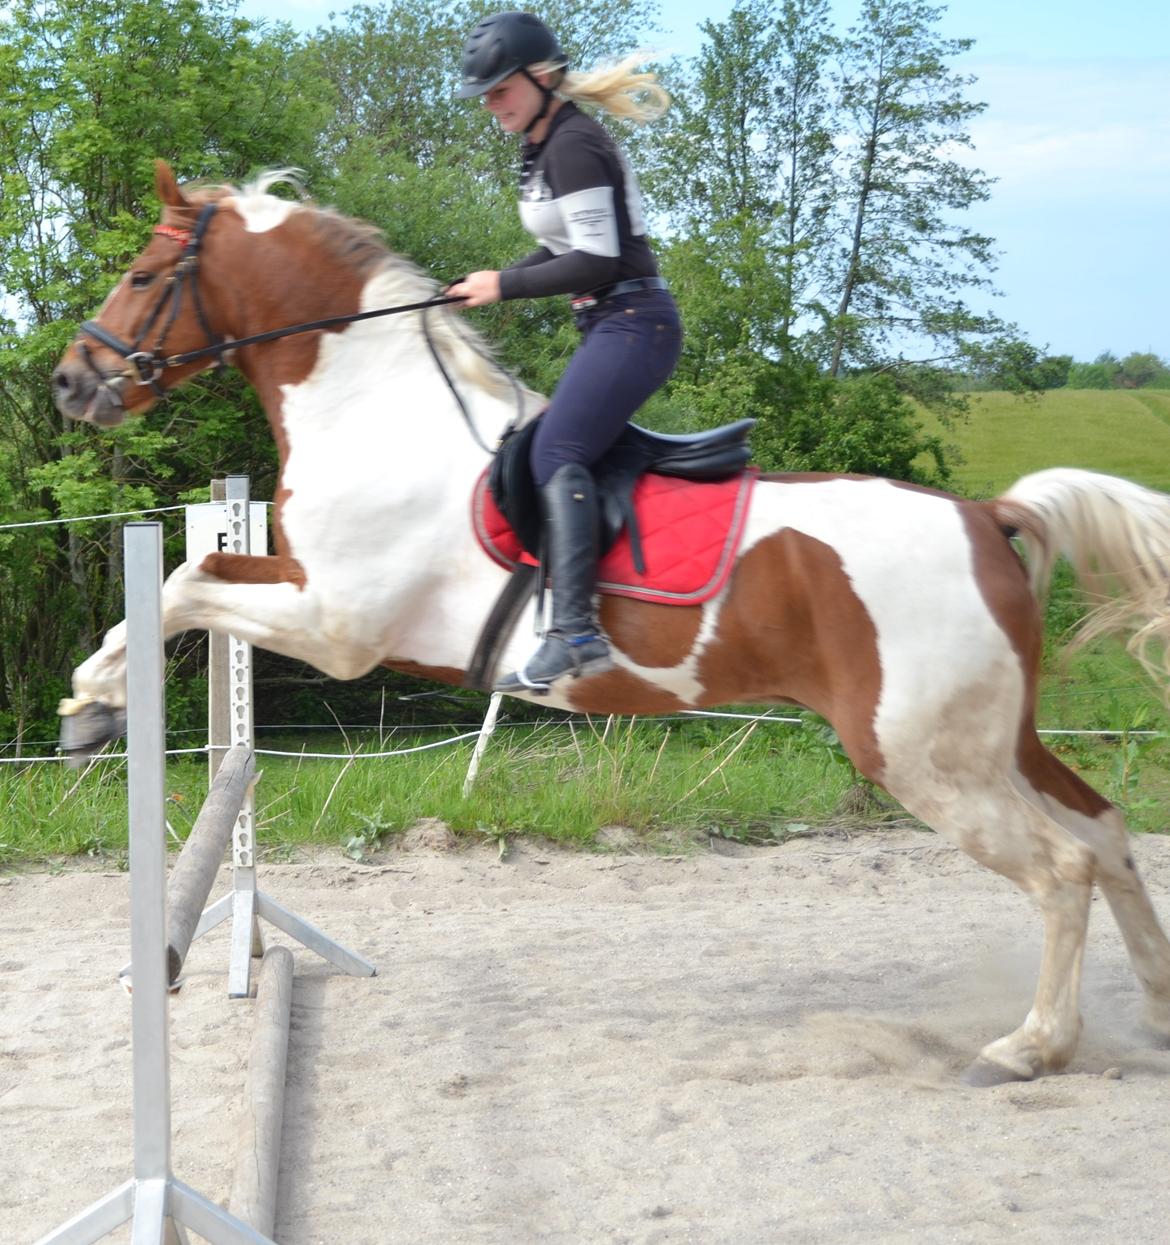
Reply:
x=1116, y=534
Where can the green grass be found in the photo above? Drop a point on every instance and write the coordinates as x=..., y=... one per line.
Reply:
x=666, y=783
x=1120, y=432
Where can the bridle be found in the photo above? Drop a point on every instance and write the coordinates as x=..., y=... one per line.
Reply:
x=146, y=366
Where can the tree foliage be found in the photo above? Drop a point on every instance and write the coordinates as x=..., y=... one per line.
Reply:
x=93, y=91
x=807, y=194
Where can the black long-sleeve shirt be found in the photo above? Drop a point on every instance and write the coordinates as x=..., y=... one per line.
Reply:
x=580, y=200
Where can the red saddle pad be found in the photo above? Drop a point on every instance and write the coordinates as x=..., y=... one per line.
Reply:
x=690, y=534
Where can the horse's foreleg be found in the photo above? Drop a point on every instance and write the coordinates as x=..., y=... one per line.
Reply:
x=96, y=713
x=281, y=616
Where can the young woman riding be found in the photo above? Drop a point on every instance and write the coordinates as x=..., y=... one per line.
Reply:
x=581, y=202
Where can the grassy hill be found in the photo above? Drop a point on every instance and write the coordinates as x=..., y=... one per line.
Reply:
x=1120, y=432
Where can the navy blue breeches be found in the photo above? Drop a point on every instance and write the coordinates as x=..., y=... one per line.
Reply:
x=630, y=346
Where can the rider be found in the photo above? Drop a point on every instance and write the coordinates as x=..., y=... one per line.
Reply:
x=580, y=200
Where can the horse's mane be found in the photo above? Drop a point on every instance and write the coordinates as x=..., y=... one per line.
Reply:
x=361, y=247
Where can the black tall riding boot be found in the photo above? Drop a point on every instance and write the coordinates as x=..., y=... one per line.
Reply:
x=573, y=645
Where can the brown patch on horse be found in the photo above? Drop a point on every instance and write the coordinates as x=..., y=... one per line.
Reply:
x=622, y=691
x=1003, y=583
x=651, y=635
x=792, y=629
x=240, y=568
x=441, y=674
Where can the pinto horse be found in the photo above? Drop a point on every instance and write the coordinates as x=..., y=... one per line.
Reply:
x=903, y=615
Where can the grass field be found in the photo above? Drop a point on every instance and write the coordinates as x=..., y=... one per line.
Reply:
x=1120, y=432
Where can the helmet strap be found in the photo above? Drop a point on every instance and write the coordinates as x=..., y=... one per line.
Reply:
x=547, y=97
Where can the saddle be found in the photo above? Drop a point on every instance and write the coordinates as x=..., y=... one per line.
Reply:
x=714, y=455
x=719, y=454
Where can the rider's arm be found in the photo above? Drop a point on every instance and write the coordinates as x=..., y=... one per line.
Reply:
x=540, y=256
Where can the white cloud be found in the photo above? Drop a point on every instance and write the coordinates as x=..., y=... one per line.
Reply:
x=1089, y=126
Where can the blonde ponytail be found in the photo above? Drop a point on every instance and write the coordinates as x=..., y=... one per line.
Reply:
x=617, y=88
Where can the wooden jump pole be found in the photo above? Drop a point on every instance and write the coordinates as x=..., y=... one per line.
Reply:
x=194, y=873
x=257, y=1161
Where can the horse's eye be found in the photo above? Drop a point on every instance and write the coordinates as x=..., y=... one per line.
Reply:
x=140, y=280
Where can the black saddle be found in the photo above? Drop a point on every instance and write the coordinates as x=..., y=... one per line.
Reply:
x=713, y=455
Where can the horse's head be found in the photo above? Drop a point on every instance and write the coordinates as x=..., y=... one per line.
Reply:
x=268, y=280
x=125, y=358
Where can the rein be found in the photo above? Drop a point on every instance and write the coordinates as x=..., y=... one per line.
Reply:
x=147, y=366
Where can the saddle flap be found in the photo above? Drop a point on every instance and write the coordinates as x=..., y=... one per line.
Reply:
x=691, y=532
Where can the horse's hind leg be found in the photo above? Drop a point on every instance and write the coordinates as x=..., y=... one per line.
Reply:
x=1051, y=786
x=981, y=812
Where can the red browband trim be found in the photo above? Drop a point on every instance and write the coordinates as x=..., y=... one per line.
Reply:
x=181, y=236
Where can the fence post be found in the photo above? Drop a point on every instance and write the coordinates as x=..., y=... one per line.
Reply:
x=159, y=1204
x=218, y=686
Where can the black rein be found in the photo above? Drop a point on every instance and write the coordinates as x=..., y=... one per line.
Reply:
x=146, y=367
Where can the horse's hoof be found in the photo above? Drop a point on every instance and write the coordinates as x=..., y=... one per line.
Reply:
x=983, y=1074
x=87, y=728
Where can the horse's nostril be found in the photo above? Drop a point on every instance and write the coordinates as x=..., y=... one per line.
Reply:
x=61, y=380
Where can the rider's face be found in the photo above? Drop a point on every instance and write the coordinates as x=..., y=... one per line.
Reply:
x=513, y=103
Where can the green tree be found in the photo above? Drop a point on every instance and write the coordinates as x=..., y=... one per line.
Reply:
x=1017, y=366
x=1141, y=370
x=92, y=91
x=907, y=262
x=1100, y=374
x=746, y=160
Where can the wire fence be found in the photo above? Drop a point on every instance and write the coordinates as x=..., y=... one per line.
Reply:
x=302, y=754
x=88, y=518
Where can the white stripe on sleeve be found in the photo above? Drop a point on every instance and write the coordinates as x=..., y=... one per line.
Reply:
x=590, y=221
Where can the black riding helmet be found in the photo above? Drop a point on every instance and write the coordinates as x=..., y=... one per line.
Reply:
x=505, y=44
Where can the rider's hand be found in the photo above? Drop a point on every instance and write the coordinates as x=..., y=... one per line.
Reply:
x=478, y=289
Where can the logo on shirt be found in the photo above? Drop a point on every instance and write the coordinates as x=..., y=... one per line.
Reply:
x=536, y=189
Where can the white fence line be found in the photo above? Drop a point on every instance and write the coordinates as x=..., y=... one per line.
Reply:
x=89, y=518
x=1109, y=733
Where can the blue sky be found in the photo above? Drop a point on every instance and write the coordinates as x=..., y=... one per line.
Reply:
x=1077, y=130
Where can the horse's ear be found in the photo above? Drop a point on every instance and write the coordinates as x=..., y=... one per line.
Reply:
x=167, y=187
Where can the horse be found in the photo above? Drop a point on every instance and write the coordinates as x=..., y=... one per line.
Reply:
x=905, y=616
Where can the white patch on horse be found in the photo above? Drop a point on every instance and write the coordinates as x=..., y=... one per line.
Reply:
x=682, y=680
x=261, y=213
x=924, y=678
x=373, y=486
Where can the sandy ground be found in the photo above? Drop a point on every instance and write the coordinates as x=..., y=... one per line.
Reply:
x=759, y=1046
